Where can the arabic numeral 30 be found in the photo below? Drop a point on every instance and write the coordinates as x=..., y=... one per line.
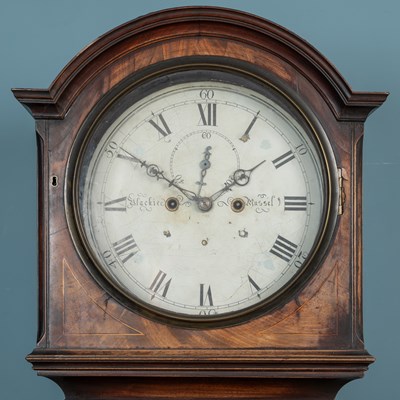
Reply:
x=208, y=312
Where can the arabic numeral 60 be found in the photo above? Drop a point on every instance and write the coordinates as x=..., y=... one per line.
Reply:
x=206, y=94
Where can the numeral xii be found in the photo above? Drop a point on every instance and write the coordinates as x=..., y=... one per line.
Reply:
x=208, y=114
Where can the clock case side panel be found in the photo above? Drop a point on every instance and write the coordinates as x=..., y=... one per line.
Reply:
x=42, y=196
x=357, y=225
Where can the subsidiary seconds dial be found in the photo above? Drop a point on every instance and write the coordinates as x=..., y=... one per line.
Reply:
x=202, y=198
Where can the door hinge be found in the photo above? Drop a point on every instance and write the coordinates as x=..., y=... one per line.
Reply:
x=342, y=193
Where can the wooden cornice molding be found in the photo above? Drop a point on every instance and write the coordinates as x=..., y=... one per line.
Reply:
x=210, y=22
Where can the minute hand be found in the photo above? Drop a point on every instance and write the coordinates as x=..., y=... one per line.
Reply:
x=154, y=171
x=188, y=193
x=240, y=177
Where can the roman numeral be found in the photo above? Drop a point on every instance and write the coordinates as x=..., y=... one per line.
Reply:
x=283, y=248
x=116, y=205
x=126, y=248
x=208, y=114
x=157, y=284
x=253, y=284
x=164, y=130
x=205, y=296
x=283, y=159
x=295, y=203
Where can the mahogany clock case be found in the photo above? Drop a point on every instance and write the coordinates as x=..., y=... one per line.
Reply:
x=308, y=341
x=186, y=70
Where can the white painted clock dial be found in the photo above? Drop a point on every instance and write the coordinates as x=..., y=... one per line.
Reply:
x=203, y=199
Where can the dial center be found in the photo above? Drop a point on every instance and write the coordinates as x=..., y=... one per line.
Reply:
x=205, y=204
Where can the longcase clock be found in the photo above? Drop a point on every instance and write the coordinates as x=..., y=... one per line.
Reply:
x=200, y=214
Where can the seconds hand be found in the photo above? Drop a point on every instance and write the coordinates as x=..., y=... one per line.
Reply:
x=204, y=165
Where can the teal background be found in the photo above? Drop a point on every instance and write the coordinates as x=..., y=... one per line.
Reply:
x=37, y=38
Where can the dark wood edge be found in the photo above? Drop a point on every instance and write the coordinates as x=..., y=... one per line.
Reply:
x=201, y=356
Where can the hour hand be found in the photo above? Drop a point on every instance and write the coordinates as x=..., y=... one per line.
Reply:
x=240, y=177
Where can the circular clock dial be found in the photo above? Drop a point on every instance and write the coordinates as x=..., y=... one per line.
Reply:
x=204, y=198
